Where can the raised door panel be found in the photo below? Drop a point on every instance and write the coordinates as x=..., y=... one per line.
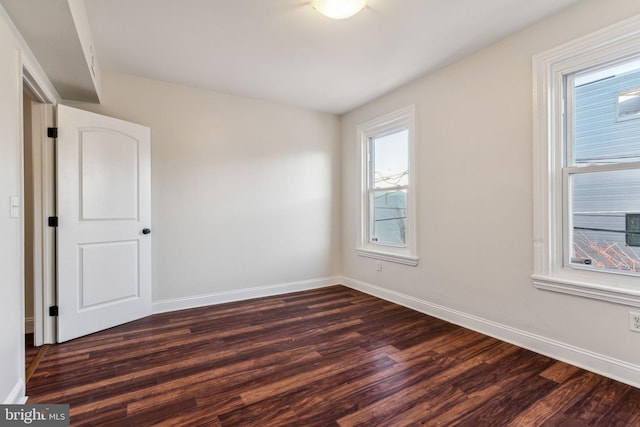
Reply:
x=109, y=175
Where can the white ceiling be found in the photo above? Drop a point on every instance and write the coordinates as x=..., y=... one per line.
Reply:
x=284, y=51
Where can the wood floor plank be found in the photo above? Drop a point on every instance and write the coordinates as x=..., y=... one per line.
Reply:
x=588, y=410
x=508, y=403
x=313, y=372
x=558, y=400
x=365, y=389
x=625, y=412
x=483, y=386
x=34, y=361
x=324, y=357
x=559, y=372
x=197, y=384
x=384, y=410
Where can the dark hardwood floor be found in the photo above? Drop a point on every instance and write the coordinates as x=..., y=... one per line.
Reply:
x=325, y=357
x=30, y=351
x=33, y=355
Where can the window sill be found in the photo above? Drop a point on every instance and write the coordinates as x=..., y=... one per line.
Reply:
x=388, y=256
x=616, y=294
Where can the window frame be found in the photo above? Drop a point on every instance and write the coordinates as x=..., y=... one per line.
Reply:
x=618, y=42
x=366, y=132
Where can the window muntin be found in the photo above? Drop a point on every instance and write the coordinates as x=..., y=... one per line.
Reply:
x=601, y=174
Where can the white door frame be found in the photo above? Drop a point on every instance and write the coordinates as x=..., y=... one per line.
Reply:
x=43, y=149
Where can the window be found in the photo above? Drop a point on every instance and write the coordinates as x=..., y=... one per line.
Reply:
x=387, y=203
x=587, y=166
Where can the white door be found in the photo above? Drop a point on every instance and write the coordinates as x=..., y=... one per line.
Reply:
x=104, y=221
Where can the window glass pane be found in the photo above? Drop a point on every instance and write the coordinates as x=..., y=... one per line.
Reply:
x=600, y=204
x=389, y=222
x=607, y=115
x=390, y=157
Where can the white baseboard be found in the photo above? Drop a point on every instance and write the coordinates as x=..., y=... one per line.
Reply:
x=28, y=325
x=17, y=395
x=167, y=305
x=618, y=370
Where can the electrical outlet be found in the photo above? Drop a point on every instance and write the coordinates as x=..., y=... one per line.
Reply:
x=379, y=268
x=634, y=321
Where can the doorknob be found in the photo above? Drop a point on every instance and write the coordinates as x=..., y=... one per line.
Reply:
x=146, y=231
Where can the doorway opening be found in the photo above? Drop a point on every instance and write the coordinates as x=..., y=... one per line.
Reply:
x=39, y=203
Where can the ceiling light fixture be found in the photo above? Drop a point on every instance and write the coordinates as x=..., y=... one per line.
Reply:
x=339, y=9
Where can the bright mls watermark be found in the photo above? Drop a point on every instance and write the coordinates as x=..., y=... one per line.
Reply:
x=34, y=415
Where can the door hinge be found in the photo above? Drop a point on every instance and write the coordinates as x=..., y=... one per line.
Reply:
x=53, y=311
x=53, y=221
x=52, y=132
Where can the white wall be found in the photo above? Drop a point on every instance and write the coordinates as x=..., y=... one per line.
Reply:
x=245, y=193
x=474, y=143
x=11, y=253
